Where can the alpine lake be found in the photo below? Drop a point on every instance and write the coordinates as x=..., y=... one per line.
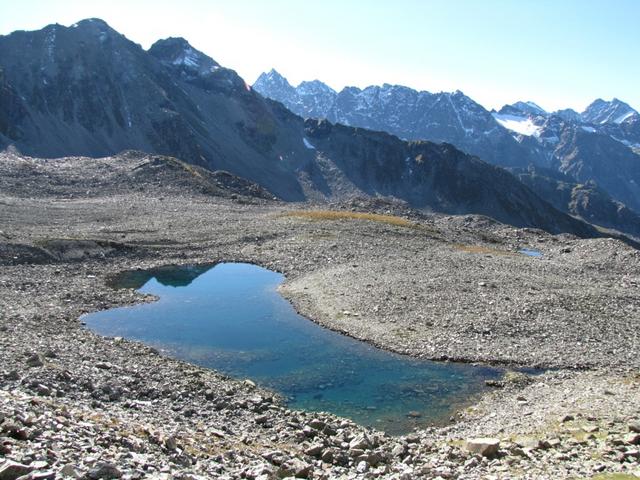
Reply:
x=230, y=317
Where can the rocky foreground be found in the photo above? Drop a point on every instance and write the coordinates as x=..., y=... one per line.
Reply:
x=76, y=405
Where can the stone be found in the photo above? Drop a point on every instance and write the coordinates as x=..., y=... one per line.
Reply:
x=39, y=475
x=327, y=456
x=70, y=471
x=530, y=443
x=314, y=450
x=634, y=427
x=494, y=383
x=632, y=439
x=170, y=443
x=35, y=360
x=362, y=467
x=360, y=442
x=487, y=447
x=11, y=470
x=317, y=424
x=14, y=430
x=104, y=471
x=398, y=451
x=567, y=418
x=261, y=419
x=551, y=443
x=294, y=468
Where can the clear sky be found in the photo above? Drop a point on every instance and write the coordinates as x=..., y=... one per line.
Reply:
x=558, y=53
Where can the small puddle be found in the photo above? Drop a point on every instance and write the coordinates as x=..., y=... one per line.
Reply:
x=231, y=318
x=530, y=252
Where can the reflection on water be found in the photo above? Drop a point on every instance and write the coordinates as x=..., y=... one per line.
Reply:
x=231, y=318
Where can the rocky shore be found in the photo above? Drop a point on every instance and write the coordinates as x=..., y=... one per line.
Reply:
x=76, y=405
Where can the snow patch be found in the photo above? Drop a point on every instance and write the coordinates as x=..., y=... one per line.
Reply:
x=623, y=117
x=589, y=129
x=308, y=144
x=522, y=125
x=188, y=58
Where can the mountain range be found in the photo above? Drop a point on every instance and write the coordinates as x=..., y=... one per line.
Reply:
x=86, y=90
x=594, y=152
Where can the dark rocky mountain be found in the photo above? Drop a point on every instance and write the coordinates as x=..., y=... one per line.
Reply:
x=86, y=90
x=427, y=175
x=598, y=146
x=586, y=201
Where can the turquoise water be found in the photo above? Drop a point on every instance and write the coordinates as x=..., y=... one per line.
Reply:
x=231, y=318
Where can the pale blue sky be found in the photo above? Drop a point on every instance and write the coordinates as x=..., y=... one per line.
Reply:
x=558, y=53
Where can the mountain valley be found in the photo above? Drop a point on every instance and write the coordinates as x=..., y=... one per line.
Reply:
x=418, y=223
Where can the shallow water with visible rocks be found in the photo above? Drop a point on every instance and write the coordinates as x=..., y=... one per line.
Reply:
x=230, y=317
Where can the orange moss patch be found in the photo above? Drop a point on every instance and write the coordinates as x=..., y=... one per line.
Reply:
x=340, y=215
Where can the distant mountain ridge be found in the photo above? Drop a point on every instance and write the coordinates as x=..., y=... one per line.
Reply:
x=599, y=145
x=87, y=90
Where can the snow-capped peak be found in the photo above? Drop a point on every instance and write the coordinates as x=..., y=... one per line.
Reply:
x=602, y=111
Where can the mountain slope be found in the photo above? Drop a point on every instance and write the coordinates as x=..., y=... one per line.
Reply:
x=585, y=201
x=440, y=117
x=86, y=90
x=427, y=175
x=600, y=145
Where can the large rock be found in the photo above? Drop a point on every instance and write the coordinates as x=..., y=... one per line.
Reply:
x=10, y=470
x=487, y=447
x=104, y=471
x=360, y=442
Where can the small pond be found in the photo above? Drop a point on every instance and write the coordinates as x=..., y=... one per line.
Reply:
x=230, y=317
x=530, y=252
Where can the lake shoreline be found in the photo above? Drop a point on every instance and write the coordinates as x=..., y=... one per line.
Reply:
x=95, y=401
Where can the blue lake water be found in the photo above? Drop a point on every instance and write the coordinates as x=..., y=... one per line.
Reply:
x=230, y=317
x=530, y=252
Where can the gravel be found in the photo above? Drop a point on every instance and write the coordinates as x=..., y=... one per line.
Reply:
x=78, y=405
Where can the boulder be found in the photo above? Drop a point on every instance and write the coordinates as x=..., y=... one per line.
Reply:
x=360, y=442
x=487, y=447
x=104, y=471
x=10, y=470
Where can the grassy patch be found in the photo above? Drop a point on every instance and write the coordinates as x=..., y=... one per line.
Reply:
x=341, y=215
x=481, y=249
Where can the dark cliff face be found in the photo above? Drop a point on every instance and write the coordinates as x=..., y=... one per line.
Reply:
x=87, y=90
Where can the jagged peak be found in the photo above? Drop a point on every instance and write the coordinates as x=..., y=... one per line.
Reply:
x=612, y=111
x=272, y=78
